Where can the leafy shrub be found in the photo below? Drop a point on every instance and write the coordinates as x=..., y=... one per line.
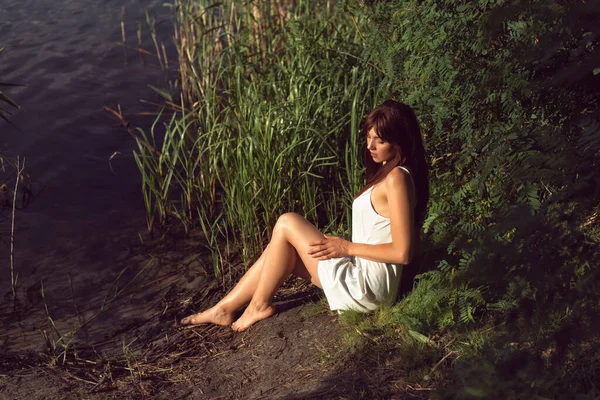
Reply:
x=506, y=92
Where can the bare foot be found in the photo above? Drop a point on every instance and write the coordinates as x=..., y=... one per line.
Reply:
x=215, y=315
x=251, y=315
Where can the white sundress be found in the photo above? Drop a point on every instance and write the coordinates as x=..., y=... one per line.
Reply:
x=353, y=283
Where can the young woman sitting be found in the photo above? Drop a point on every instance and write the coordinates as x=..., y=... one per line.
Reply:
x=386, y=216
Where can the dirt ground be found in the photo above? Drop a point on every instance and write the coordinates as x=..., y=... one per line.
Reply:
x=300, y=353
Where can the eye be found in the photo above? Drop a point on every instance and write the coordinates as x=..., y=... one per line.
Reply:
x=378, y=139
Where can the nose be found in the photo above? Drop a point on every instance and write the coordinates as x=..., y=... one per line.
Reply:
x=370, y=144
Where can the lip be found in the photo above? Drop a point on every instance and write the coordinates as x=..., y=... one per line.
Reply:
x=373, y=155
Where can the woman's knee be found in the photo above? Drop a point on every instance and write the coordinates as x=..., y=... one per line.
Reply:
x=286, y=222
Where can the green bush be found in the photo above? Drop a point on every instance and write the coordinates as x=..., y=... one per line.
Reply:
x=507, y=93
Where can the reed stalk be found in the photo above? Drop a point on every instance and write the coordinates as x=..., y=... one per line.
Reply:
x=151, y=22
x=123, y=41
x=139, y=48
x=268, y=122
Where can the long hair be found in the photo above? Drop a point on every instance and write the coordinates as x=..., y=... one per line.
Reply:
x=397, y=124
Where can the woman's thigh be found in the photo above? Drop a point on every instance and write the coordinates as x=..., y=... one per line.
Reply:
x=299, y=232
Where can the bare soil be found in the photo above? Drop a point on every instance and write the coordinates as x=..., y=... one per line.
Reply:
x=300, y=353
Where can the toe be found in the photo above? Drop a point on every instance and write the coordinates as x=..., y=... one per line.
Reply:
x=189, y=320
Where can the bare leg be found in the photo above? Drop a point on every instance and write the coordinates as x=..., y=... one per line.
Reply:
x=288, y=252
x=295, y=260
x=223, y=312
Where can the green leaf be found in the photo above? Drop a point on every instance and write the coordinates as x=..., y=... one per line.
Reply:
x=163, y=93
x=418, y=336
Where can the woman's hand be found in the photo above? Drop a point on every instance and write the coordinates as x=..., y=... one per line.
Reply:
x=329, y=247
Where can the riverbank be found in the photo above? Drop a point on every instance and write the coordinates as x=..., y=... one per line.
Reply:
x=105, y=323
x=98, y=299
x=301, y=353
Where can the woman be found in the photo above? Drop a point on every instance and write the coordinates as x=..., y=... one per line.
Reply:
x=362, y=274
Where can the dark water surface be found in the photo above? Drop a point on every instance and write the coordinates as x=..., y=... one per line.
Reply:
x=86, y=216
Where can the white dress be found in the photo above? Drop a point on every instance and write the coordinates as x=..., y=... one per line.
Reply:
x=353, y=282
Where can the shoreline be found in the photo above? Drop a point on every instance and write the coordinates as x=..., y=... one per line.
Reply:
x=153, y=356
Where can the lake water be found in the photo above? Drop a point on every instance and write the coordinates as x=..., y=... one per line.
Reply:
x=87, y=211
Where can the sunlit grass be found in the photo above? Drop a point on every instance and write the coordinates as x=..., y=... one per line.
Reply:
x=268, y=123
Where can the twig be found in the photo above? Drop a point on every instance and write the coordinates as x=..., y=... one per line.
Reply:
x=139, y=50
x=72, y=376
x=419, y=388
x=442, y=360
x=164, y=51
x=13, y=281
x=130, y=130
x=357, y=28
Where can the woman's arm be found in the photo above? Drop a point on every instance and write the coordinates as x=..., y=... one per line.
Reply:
x=400, y=194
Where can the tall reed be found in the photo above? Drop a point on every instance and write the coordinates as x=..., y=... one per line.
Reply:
x=273, y=94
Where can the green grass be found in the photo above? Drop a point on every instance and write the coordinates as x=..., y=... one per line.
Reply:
x=268, y=123
x=316, y=308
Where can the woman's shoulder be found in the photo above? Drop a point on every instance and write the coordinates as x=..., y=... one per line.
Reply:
x=399, y=180
x=398, y=176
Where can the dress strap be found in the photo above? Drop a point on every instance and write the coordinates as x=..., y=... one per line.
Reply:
x=404, y=168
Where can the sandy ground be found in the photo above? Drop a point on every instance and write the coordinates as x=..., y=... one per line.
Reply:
x=300, y=353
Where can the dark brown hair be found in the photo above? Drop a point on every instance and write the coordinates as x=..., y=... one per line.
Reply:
x=397, y=124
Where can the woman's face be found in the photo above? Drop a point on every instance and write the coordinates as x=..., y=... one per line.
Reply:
x=381, y=151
